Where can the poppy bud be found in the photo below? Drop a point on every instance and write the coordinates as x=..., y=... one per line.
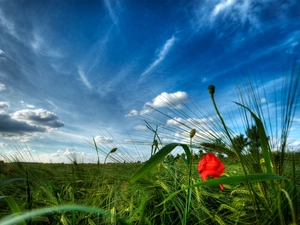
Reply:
x=211, y=166
x=113, y=150
x=192, y=133
x=211, y=89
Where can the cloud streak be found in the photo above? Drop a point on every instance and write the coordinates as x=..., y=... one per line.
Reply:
x=84, y=79
x=111, y=11
x=160, y=56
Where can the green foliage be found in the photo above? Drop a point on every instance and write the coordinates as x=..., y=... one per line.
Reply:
x=158, y=157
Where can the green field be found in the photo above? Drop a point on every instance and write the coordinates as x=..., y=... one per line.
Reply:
x=106, y=187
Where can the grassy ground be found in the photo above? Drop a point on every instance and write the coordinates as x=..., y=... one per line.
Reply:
x=106, y=187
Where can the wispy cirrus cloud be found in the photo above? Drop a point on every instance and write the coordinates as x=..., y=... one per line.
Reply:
x=84, y=79
x=238, y=12
x=162, y=53
x=232, y=13
x=42, y=46
x=222, y=6
x=112, y=10
x=7, y=25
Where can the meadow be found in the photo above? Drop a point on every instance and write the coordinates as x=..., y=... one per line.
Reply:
x=261, y=179
x=60, y=190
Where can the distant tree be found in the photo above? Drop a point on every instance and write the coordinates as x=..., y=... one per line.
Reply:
x=218, y=146
x=240, y=142
x=201, y=153
x=253, y=140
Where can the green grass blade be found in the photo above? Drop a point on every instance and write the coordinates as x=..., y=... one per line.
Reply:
x=58, y=209
x=231, y=180
x=158, y=157
x=6, y=182
x=96, y=146
x=13, y=206
x=263, y=139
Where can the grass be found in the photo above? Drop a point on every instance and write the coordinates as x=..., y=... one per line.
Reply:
x=261, y=180
x=155, y=198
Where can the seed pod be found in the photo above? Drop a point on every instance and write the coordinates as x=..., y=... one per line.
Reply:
x=211, y=89
x=192, y=133
x=277, y=163
x=113, y=150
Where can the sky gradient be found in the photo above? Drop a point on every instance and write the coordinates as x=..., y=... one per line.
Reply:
x=74, y=70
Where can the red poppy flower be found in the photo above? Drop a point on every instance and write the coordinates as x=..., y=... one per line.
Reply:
x=211, y=166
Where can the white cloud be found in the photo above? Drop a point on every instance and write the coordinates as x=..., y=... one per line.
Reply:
x=160, y=56
x=1, y=52
x=132, y=113
x=189, y=121
x=2, y=87
x=24, y=125
x=140, y=127
x=38, y=117
x=170, y=100
x=4, y=105
x=175, y=121
x=145, y=111
x=103, y=140
x=29, y=155
x=27, y=105
x=263, y=100
x=69, y=154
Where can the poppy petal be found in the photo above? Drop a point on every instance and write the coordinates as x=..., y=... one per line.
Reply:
x=211, y=166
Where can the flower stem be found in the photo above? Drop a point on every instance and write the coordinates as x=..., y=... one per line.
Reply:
x=237, y=152
x=189, y=194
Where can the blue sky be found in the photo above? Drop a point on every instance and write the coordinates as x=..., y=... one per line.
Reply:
x=73, y=70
